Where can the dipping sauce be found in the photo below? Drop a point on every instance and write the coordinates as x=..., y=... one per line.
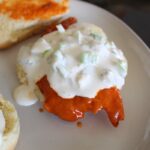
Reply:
x=80, y=58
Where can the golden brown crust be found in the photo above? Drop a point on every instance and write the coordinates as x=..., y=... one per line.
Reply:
x=11, y=146
x=33, y=9
x=40, y=11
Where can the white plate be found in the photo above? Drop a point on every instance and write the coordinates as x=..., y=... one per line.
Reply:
x=44, y=131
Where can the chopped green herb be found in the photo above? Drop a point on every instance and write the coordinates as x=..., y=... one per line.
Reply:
x=104, y=73
x=46, y=53
x=63, y=71
x=60, y=28
x=96, y=36
x=79, y=36
x=89, y=58
x=61, y=46
x=113, y=52
x=59, y=56
x=122, y=67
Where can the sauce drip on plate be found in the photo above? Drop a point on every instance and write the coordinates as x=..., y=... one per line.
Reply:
x=41, y=110
x=79, y=124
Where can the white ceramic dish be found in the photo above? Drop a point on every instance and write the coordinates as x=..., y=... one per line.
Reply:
x=44, y=131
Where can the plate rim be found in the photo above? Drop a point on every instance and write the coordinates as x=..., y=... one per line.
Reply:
x=130, y=30
x=119, y=20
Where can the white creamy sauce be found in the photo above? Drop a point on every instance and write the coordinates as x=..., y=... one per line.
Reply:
x=2, y=126
x=25, y=96
x=77, y=62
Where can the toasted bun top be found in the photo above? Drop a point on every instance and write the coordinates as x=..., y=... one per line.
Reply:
x=12, y=128
x=33, y=9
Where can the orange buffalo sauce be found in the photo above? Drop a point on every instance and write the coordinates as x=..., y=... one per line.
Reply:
x=75, y=108
x=79, y=124
x=33, y=9
x=65, y=23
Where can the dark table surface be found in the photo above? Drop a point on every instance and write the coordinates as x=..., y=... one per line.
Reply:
x=135, y=13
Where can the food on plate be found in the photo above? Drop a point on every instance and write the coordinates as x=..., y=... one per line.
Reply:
x=9, y=125
x=73, y=69
x=20, y=19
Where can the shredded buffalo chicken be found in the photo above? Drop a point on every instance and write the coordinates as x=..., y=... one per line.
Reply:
x=75, y=108
x=65, y=23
